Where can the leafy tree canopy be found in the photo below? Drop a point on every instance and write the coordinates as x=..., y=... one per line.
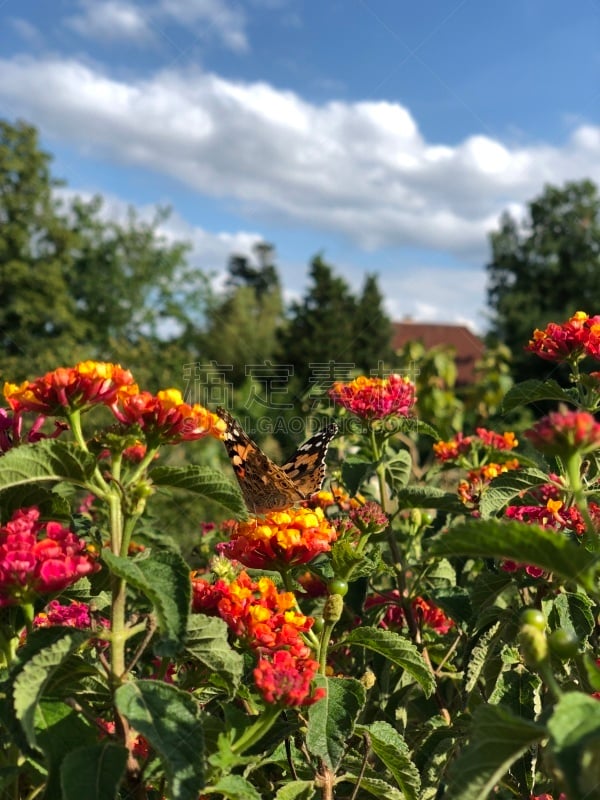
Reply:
x=545, y=267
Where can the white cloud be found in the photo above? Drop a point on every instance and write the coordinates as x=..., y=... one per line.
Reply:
x=111, y=20
x=143, y=22
x=361, y=169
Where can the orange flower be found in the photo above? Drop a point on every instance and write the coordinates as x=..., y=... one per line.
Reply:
x=70, y=388
x=165, y=418
x=281, y=539
x=375, y=398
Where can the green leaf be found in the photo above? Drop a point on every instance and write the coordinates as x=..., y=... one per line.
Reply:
x=573, y=611
x=204, y=482
x=164, y=578
x=398, y=470
x=168, y=719
x=507, y=486
x=497, y=739
x=94, y=772
x=377, y=787
x=296, y=790
x=46, y=460
x=45, y=652
x=532, y=391
x=50, y=504
x=480, y=655
x=390, y=747
x=207, y=641
x=396, y=649
x=575, y=741
x=520, y=542
x=429, y=497
x=355, y=470
x=233, y=787
x=331, y=720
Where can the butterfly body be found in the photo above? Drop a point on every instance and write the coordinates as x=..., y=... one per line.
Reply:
x=266, y=486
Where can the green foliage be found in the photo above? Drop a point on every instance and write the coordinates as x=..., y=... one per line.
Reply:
x=544, y=268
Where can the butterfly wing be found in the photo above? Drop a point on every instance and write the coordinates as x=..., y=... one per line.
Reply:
x=306, y=468
x=265, y=486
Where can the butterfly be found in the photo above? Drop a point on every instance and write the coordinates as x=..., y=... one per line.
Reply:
x=266, y=486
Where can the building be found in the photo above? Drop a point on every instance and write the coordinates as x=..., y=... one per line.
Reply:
x=468, y=347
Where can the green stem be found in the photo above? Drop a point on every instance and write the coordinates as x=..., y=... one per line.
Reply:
x=326, y=632
x=257, y=730
x=119, y=593
x=573, y=469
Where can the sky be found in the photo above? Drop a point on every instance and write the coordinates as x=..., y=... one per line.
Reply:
x=388, y=136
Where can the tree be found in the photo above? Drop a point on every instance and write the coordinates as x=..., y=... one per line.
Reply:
x=76, y=286
x=544, y=268
x=373, y=343
x=320, y=327
x=242, y=326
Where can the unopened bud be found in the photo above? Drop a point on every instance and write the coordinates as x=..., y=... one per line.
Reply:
x=332, y=610
x=534, y=645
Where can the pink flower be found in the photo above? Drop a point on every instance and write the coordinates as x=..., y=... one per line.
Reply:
x=562, y=433
x=375, y=398
x=39, y=558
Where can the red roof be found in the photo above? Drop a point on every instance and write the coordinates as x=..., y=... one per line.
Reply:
x=468, y=347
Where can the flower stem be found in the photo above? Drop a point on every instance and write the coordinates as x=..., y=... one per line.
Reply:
x=257, y=730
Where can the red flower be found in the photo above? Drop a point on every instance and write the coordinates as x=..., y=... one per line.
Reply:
x=165, y=418
x=30, y=565
x=570, y=341
x=562, y=433
x=68, y=388
x=285, y=680
x=281, y=539
x=425, y=612
x=375, y=398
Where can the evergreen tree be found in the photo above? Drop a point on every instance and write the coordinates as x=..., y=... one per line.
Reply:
x=544, y=268
x=373, y=328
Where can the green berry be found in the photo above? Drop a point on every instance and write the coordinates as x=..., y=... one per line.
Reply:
x=533, y=616
x=563, y=643
x=338, y=586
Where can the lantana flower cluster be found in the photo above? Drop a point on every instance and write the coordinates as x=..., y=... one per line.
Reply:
x=424, y=611
x=460, y=446
x=281, y=539
x=267, y=621
x=164, y=418
x=375, y=398
x=564, y=432
x=570, y=341
x=39, y=558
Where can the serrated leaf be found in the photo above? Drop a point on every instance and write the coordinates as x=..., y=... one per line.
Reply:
x=207, y=641
x=355, y=470
x=522, y=543
x=575, y=741
x=531, y=391
x=396, y=649
x=233, y=787
x=296, y=790
x=204, y=482
x=519, y=691
x=479, y=656
x=428, y=497
x=377, y=787
x=46, y=650
x=506, y=487
x=331, y=720
x=50, y=504
x=46, y=460
x=391, y=748
x=164, y=578
x=168, y=719
x=398, y=470
x=497, y=739
x=346, y=561
x=573, y=611
x=94, y=772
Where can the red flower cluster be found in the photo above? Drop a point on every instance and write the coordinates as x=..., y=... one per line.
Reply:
x=281, y=539
x=375, y=398
x=69, y=388
x=165, y=418
x=471, y=489
x=266, y=621
x=12, y=434
x=39, y=558
x=562, y=433
x=579, y=336
x=74, y=615
x=426, y=612
x=460, y=445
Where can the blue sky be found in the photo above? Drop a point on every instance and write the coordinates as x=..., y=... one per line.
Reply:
x=387, y=134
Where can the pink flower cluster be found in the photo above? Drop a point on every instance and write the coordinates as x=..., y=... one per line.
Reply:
x=39, y=558
x=565, y=432
x=579, y=336
x=425, y=612
x=375, y=398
